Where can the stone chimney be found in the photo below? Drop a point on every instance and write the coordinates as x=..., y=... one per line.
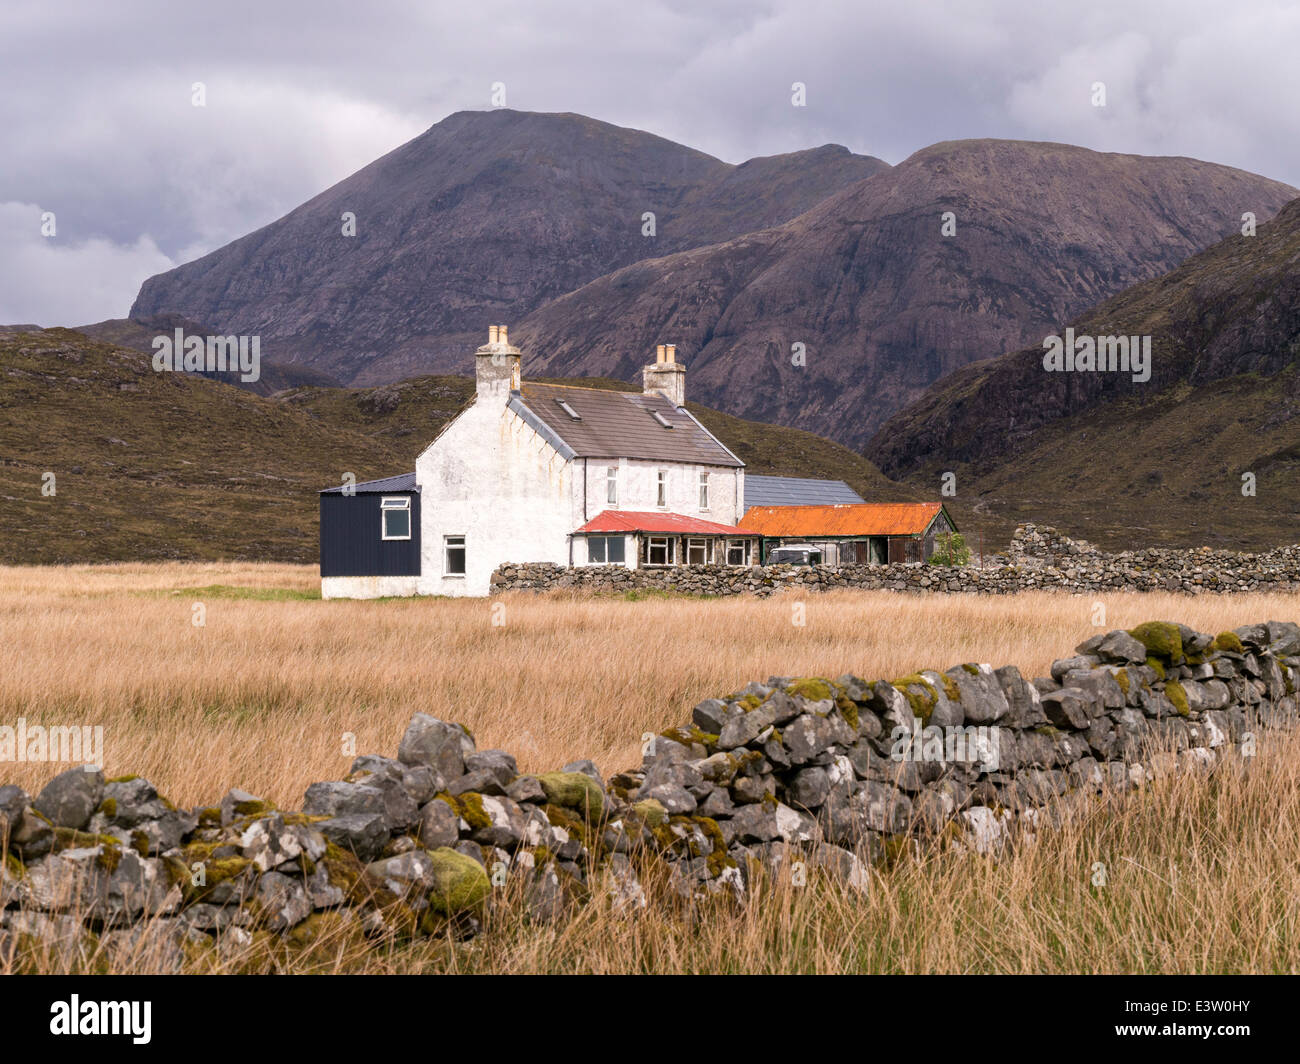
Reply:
x=496, y=367
x=667, y=377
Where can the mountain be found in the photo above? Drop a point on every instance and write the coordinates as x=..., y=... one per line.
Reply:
x=482, y=218
x=883, y=302
x=155, y=466
x=1128, y=463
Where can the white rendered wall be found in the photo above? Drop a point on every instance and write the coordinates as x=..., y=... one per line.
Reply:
x=492, y=479
x=368, y=587
x=637, y=489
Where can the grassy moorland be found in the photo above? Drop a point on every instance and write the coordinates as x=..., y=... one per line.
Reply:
x=168, y=467
x=1199, y=874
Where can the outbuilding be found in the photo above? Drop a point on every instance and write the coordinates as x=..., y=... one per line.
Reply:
x=867, y=533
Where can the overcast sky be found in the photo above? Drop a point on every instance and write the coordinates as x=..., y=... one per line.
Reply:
x=99, y=126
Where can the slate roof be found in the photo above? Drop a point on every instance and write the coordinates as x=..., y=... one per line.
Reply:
x=617, y=425
x=659, y=521
x=860, y=519
x=401, y=482
x=796, y=491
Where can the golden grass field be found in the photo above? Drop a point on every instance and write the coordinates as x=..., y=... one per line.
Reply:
x=1201, y=875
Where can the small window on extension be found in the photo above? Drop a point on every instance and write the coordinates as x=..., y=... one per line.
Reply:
x=395, y=514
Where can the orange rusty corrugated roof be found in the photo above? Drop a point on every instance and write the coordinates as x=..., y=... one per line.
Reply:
x=658, y=521
x=846, y=519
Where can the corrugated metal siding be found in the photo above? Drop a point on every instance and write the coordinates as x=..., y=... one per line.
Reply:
x=657, y=521
x=389, y=485
x=796, y=491
x=351, y=542
x=860, y=519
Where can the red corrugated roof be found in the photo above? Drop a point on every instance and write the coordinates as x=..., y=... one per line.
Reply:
x=848, y=519
x=672, y=524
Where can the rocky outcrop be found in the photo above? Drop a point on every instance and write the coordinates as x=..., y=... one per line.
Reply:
x=1232, y=311
x=884, y=303
x=786, y=776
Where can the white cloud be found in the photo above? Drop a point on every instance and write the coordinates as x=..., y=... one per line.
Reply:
x=52, y=281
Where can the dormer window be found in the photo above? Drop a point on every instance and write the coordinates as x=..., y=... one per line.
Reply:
x=661, y=419
x=569, y=410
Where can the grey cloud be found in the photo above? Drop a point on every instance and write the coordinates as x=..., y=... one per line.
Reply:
x=98, y=123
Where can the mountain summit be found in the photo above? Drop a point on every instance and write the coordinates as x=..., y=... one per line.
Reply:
x=484, y=217
x=821, y=289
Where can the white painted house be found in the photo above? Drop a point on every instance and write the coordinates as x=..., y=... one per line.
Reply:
x=542, y=473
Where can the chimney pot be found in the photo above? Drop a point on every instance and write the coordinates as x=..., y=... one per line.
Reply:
x=492, y=334
x=501, y=334
x=665, y=376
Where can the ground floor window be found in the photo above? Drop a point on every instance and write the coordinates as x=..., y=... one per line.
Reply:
x=659, y=550
x=605, y=550
x=454, y=548
x=737, y=551
x=395, y=511
x=697, y=552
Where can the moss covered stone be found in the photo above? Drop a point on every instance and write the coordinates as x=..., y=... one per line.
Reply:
x=109, y=857
x=110, y=850
x=650, y=811
x=1157, y=666
x=574, y=790
x=920, y=693
x=1162, y=639
x=1228, y=641
x=812, y=689
x=1176, y=694
x=225, y=868
x=468, y=807
x=693, y=734
x=848, y=711
x=560, y=817
x=255, y=808
x=345, y=871
x=460, y=883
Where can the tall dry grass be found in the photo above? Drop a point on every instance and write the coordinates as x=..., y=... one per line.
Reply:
x=264, y=694
x=1200, y=875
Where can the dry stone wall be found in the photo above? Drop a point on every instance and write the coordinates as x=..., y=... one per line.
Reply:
x=1038, y=559
x=828, y=772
